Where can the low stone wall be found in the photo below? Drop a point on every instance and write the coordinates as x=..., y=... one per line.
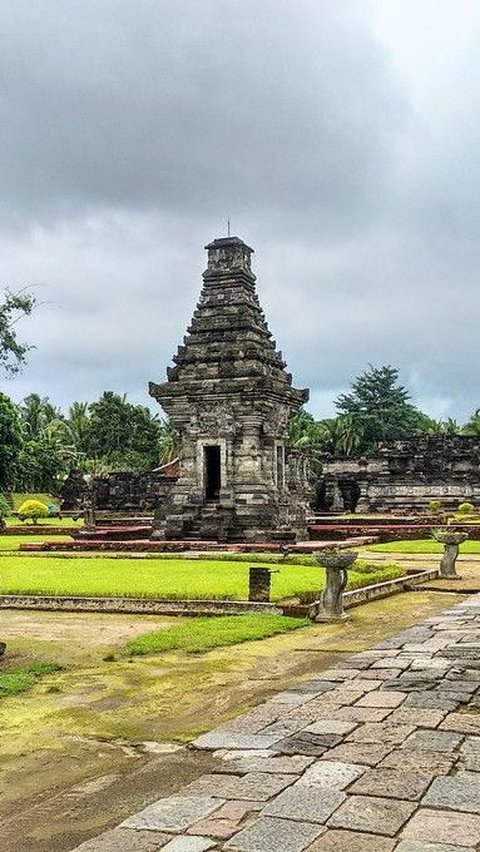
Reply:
x=138, y=606
x=355, y=597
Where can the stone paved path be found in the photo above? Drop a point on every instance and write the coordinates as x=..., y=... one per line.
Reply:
x=382, y=754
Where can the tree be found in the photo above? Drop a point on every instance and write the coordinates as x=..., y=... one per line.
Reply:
x=12, y=307
x=472, y=427
x=118, y=430
x=37, y=412
x=11, y=442
x=379, y=408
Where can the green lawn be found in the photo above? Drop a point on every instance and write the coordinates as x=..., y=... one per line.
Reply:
x=12, y=542
x=165, y=578
x=421, y=545
x=21, y=679
x=47, y=522
x=202, y=634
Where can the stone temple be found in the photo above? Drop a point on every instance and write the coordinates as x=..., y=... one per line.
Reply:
x=230, y=399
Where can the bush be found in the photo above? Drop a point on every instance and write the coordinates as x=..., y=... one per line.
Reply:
x=32, y=509
x=466, y=508
x=435, y=506
x=5, y=509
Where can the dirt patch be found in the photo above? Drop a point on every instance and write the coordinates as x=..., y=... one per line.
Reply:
x=73, y=763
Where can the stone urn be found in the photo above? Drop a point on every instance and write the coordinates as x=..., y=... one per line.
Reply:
x=451, y=540
x=336, y=564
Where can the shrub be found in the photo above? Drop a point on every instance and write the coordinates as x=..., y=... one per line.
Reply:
x=466, y=508
x=4, y=511
x=32, y=509
x=435, y=506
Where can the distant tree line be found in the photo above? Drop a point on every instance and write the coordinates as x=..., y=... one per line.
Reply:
x=39, y=444
x=377, y=408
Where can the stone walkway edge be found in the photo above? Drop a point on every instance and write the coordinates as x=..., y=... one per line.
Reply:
x=381, y=754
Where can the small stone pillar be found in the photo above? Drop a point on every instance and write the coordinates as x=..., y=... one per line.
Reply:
x=89, y=509
x=451, y=540
x=259, y=581
x=336, y=564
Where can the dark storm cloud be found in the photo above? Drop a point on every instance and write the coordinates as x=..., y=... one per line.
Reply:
x=131, y=130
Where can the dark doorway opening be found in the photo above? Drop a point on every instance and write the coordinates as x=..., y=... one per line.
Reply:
x=212, y=472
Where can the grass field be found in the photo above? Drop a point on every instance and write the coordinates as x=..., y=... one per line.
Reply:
x=421, y=545
x=12, y=542
x=46, y=522
x=164, y=578
x=21, y=679
x=203, y=634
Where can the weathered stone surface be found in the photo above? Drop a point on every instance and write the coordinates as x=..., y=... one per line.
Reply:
x=418, y=717
x=460, y=792
x=381, y=698
x=464, y=723
x=442, y=741
x=458, y=829
x=431, y=701
x=368, y=754
x=374, y=814
x=189, y=844
x=225, y=822
x=267, y=834
x=243, y=762
x=337, y=840
x=392, y=783
x=381, y=732
x=420, y=846
x=174, y=813
x=332, y=774
x=222, y=739
x=302, y=743
x=257, y=786
x=470, y=754
x=301, y=802
x=361, y=714
x=412, y=760
x=126, y=840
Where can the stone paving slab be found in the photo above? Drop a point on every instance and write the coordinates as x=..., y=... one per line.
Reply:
x=382, y=754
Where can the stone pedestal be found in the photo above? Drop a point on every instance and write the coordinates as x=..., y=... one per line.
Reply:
x=336, y=564
x=451, y=540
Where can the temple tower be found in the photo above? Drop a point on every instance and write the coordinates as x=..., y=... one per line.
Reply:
x=230, y=399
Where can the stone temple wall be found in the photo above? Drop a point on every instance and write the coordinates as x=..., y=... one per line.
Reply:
x=404, y=476
x=125, y=491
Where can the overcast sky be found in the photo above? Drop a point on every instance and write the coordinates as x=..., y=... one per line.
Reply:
x=341, y=137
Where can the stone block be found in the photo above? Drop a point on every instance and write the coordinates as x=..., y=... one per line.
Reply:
x=441, y=741
x=337, y=840
x=189, y=844
x=437, y=826
x=470, y=754
x=126, y=840
x=332, y=774
x=368, y=754
x=464, y=723
x=382, y=698
x=242, y=763
x=411, y=760
x=223, y=739
x=301, y=802
x=392, y=783
x=431, y=701
x=257, y=786
x=372, y=814
x=381, y=732
x=267, y=834
x=420, y=846
x=460, y=792
x=173, y=814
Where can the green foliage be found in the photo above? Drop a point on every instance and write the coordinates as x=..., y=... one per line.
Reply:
x=11, y=442
x=118, y=428
x=465, y=508
x=379, y=408
x=435, y=506
x=12, y=307
x=22, y=679
x=202, y=634
x=33, y=510
x=5, y=508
